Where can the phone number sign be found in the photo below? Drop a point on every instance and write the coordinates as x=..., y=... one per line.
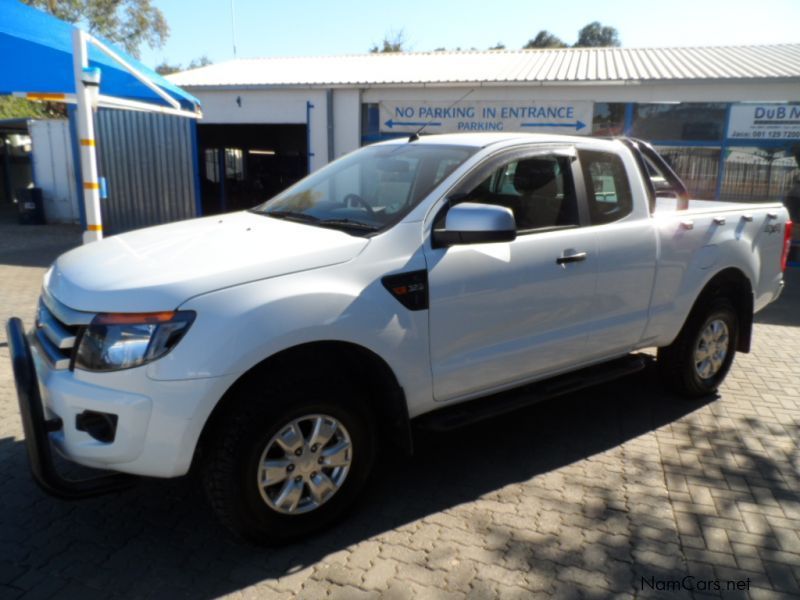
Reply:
x=764, y=122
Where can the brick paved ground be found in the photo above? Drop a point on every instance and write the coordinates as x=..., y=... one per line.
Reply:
x=588, y=496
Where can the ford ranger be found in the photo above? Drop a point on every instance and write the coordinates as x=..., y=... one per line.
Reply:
x=422, y=282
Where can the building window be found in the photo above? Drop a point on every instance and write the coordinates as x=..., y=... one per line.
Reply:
x=211, y=156
x=234, y=164
x=760, y=174
x=608, y=119
x=697, y=167
x=699, y=122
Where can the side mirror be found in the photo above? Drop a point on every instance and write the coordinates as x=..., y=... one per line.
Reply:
x=473, y=223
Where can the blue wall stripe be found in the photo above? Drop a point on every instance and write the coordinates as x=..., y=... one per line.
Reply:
x=198, y=197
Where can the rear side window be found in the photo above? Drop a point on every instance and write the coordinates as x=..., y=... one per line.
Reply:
x=607, y=189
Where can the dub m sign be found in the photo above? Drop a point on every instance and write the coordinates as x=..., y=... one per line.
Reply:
x=764, y=122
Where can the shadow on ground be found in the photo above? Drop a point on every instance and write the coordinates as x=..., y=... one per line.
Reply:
x=161, y=539
x=786, y=311
x=35, y=245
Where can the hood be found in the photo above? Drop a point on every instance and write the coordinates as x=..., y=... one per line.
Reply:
x=159, y=268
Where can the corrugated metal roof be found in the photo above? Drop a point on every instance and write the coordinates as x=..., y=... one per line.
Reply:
x=568, y=65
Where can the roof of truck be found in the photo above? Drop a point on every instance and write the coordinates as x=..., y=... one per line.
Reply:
x=481, y=140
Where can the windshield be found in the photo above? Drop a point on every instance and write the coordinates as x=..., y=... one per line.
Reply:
x=369, y=189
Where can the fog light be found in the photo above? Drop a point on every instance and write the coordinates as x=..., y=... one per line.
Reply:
x=101, y=426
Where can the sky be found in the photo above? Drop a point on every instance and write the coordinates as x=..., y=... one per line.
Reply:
x=317, y=27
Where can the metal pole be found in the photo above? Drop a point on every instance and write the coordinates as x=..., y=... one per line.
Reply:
x=309, y=106
x=329, y=119
x=85, y=88
x=233, y=28
x=722, y=152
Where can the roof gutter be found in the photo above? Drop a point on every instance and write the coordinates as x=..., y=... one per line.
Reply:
x=483, y=84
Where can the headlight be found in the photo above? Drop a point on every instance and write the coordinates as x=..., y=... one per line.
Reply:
x=121, y=341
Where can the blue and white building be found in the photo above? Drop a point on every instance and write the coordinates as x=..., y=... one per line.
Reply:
x=728, y=118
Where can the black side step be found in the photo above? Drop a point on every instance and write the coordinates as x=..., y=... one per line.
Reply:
x=464, y=413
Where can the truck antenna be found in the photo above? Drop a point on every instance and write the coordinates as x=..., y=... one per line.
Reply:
x=415, y=136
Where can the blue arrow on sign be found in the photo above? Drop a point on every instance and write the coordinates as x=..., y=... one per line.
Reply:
x=390, y=123
x=578, y=125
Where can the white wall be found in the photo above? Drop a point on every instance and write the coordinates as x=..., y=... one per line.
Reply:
x=53, y=169
x=289, y=105
x=347, y=121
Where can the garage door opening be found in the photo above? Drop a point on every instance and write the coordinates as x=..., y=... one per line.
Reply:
x=15, y=164
x=244, y=165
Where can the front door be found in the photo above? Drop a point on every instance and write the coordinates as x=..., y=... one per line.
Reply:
x=503, y=313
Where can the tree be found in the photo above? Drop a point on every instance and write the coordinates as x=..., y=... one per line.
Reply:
x=595, y=35
x=394, y=41
x=166, y=69
x=20, y=108
x=203, y=61
x=128, y=23
x=545, y=39
x=498, y=46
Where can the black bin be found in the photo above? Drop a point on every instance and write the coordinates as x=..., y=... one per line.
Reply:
x=31, y=206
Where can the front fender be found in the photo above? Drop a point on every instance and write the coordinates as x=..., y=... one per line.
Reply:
x=239, y=327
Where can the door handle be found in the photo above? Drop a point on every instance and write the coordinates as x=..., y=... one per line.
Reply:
x=571, y=258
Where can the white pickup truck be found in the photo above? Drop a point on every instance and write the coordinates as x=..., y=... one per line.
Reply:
x=431, y=281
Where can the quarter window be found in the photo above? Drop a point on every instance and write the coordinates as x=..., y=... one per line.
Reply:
x=607, y=189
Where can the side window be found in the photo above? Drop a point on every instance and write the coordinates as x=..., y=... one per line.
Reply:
x=607, y=189
x=539, y=191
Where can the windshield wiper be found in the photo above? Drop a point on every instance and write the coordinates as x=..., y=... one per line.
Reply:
x=312, y=220
x=290, y=216
x=347, y=223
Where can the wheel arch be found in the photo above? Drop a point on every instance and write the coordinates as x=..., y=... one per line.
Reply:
x=733, y=284
x=387, y=398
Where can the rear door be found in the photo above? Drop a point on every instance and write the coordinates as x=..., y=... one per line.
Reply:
x=618, y=215
x=502, y=313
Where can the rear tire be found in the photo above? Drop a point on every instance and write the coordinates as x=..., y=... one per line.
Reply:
x=696, y=363
x=305, y=492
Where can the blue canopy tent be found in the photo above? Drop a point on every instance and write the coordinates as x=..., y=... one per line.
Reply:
x=43, y=58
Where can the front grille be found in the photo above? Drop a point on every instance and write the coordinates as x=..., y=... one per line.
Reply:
x=57, y=330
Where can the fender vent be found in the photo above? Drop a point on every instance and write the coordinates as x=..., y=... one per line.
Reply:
x=410, y=289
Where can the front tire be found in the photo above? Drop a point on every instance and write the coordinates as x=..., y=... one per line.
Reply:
x=696, y=363
x=290, y=458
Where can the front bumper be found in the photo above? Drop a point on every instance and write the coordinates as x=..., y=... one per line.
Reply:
x=158, y=422
x=37, y=429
